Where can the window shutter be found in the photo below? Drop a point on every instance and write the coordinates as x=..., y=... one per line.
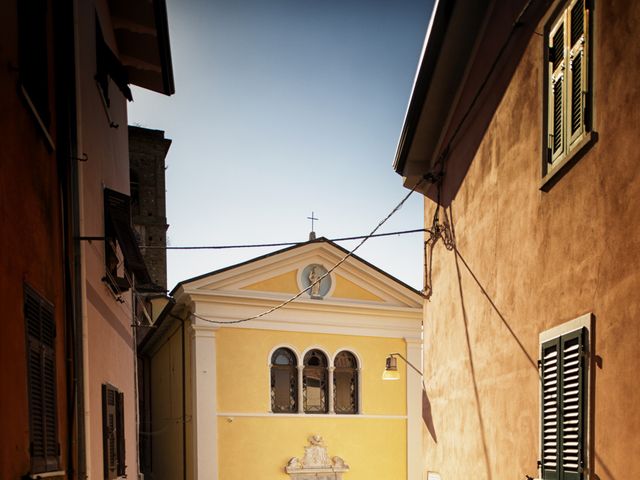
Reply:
x=572, y=403
x=41, y=365
x=109, y=430
x=578, y=69
x=549, y=411
x=121, y=466
x=563, y=393
x=557, y=87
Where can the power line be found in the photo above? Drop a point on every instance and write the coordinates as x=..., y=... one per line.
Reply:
x=280, y=244
x=344, y=259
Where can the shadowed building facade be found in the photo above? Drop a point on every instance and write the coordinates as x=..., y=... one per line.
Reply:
x=523, y=126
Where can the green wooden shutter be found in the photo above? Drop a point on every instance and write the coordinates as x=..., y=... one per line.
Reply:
x=557, y=88
x=41, y=366
x=550, y=363
x=563, y=399
x=109, y=439
x=578, y=69
x=121, y=464
x=572, y=402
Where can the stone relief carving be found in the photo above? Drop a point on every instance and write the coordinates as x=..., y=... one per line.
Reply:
x=316, y=463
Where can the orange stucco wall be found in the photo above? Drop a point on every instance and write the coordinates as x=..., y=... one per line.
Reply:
x=540, y=259
x=32, y=251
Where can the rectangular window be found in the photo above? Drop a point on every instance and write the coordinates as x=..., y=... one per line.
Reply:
x=113, y=432
x=567, y=85
x=563, y=364
x=122, y=253
x=42, y=392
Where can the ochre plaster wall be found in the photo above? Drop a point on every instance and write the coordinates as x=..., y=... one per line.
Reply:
x=167, y=408
x=540, y=259
x=31, y=245
x=374, y=447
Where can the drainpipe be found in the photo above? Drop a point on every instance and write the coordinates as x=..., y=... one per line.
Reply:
x=65, y=75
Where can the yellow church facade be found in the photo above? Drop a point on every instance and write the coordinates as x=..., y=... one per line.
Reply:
x=231, y=398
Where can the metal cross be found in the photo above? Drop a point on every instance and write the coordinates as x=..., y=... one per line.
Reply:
x=312, y=218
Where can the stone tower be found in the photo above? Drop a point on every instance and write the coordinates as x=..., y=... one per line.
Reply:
x=147, y=152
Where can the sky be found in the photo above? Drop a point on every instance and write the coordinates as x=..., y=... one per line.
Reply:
x=283, y=108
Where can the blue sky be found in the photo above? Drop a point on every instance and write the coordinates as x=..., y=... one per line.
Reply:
x=282, y=108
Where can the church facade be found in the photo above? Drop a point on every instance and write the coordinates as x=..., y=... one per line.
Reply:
x=239, y=397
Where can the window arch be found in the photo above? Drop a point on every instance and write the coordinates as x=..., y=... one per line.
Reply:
x=315, y=385
x=345, y=383
x=284, y=381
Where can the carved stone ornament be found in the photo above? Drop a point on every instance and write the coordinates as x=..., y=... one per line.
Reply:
x=316, y=463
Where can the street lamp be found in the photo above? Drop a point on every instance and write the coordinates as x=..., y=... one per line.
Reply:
x=391, y=368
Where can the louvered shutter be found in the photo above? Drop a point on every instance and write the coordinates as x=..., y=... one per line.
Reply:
x=121, y=466
x=109, y=427
x=557, y=88
x=550, y=363
x=572, y=374
x=41, y=366
x=578, y=69
x=563, y=392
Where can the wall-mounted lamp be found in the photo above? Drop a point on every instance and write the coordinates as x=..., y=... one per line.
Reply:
x=391, y=369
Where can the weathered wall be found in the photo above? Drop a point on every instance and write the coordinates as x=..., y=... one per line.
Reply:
x=31, y=246
x=147, y=152
x=530, y=260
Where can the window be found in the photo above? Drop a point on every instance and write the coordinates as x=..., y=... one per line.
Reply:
x=122, y=254
x=284, y=381
x=345, y=383
x=113, y=432
x=42, y=392
x=567, y=86
x=564, y=378
x=315, y=382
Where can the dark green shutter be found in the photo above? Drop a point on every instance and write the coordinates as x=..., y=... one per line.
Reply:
x=121, y=465
x=573, y=391
x=109, y=431
x=563, y=392
x=557, y=86
x=577, y=44
x=41, y=366
x=550, y=363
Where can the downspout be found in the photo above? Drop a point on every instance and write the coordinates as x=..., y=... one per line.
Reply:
x=65, y=61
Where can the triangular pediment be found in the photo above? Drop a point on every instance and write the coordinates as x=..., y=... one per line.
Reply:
x=285, y=273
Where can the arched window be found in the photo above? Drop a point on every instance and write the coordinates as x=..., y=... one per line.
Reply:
x=315, y=385
x=345, y=383
x=284, y=381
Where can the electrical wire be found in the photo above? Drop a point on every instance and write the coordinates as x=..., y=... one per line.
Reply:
x=280, y=244
x=327, y=273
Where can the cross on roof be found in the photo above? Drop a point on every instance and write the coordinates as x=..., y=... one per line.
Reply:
x=313, y=219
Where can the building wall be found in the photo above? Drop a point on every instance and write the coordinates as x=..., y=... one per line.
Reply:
x=147, y=152
x=31, y=234
x=372, y=443
x=109, y=342
x=530, y=260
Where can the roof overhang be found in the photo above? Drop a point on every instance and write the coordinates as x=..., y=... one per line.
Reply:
x=142, y=34
x=470, y=53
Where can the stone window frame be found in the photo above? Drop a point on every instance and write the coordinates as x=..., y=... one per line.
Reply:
x=331, y=365
x=574, y=146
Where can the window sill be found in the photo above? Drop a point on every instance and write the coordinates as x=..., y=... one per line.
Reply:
x=58, y=475
x=561, y=168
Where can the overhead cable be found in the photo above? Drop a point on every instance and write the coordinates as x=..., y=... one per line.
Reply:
x=342, y=260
